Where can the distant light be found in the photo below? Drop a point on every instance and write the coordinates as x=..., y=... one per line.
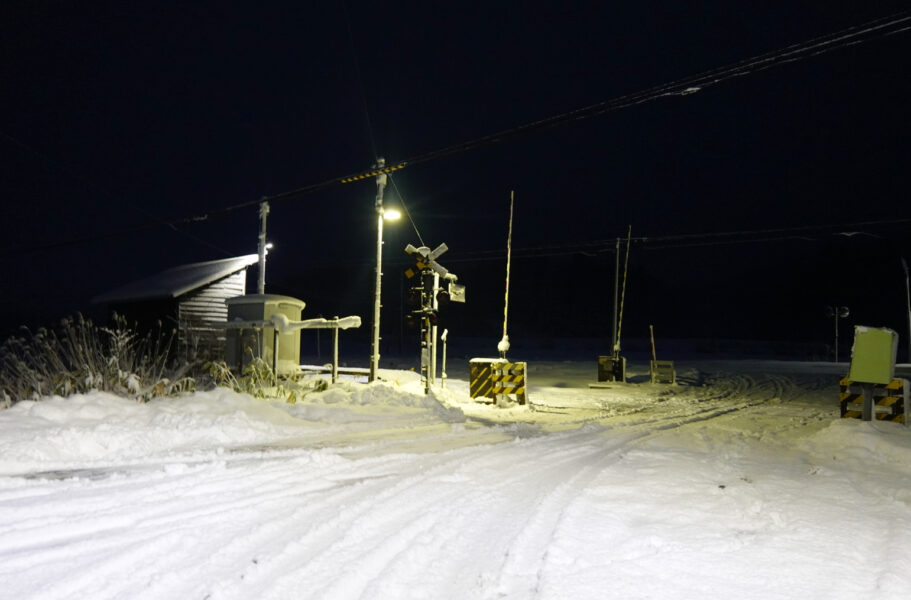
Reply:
x=269, y=246
x=391, y=214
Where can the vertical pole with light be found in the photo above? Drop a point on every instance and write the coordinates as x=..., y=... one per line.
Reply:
x=375, y=342
x=381, y=215
x=261, y=286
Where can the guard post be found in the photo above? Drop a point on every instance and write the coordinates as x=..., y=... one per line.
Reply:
x=493, y=377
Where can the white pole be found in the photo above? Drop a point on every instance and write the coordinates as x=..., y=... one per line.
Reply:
x=335, y=352
x=503, y=346
x=443, y=371
x=629, y=238
x=432, y=370
x=375, y=343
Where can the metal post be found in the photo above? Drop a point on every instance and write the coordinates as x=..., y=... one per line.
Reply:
x=275, y=357
x=615, y=346
x=435, y=304
x=443, y=370
x=425, y=355
x=868, y=410
x=375, y=343
x=335, y=353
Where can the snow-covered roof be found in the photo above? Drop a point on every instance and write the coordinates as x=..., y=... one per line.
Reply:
x=177, y=281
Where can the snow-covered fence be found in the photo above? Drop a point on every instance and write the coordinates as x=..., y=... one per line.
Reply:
x=282, y=326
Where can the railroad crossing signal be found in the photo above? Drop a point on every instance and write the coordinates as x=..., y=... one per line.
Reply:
x=428, y=295
x=427, y=259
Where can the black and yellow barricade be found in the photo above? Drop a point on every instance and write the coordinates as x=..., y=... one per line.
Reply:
x=492, y=377
x=662, y=371
x=890, y=400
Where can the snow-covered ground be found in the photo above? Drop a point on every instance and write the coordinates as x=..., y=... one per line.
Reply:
x=739, y=482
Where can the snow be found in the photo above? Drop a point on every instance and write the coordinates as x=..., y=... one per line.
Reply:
x=738, y=482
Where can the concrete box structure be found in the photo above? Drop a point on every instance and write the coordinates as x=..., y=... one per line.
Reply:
x=611, y=368
x=258, y=340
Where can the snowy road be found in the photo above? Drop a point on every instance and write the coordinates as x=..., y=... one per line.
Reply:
x=735, y=487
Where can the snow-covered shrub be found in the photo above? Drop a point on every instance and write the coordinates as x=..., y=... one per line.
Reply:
x=258, y=380
x=79, y=356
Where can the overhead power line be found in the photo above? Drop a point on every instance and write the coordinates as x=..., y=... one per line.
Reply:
x=858, y=34
x=855, y=35
x=608, y=246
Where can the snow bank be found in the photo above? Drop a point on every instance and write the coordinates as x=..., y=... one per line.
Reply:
x=98, y=429
x=862, y=443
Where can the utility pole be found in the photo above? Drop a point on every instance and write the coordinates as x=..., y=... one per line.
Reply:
x=263, y=213
x=375, y=343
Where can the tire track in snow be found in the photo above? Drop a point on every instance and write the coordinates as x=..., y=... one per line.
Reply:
x=367, y=525
x=527, y=554
x=467, y=494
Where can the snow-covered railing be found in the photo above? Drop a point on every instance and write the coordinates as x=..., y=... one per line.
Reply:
x=283, y=325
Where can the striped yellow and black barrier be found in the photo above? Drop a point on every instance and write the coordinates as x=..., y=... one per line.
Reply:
x=492, y=377
x=890, y=400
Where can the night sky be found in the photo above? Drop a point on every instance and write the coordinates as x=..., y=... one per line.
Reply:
x=119, y=120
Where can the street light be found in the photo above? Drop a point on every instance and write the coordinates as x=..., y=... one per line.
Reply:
x=839, y=312
x=382, y=215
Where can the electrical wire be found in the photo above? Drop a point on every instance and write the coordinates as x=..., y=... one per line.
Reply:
x=816, y=46
x=405, y=208
x=882, y=27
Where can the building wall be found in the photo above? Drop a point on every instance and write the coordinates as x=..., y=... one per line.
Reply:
x=202, y=314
